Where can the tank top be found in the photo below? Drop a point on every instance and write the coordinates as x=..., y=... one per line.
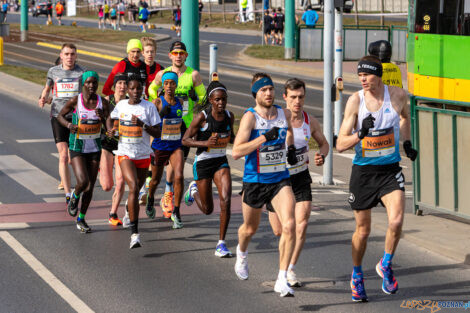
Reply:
x=140, y=70
x=267, y=164
x=185, y=84
x=381, y=145
x=171, y=136
x=223, y=130
x=302, y=136
x=87, y=138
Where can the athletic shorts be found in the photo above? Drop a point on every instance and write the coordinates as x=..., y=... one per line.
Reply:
x=300, y=186
x=109, y=144
x=178, y=23
x=93, y=156
x=279, y=30
x=256, y=194
x=185, y=152
x=207, y=168
x=162, y=157
x=143, y=20
x=59, y=15
x=106, y=15
x=121, y=13
x=142, y=163
x=369, y=183
x=113, y=17
x=61, y=133
x=268, y=30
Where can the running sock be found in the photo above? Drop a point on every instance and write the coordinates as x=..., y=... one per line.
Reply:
x=193, y=192
x=357, y=271
x=387, y=259
x=291, y=267
x=221, y=241
x=176, y=211
x=81, y=217
x=282, y=275
x=134, y=226
x=168, y=187
x=240, y=253
x=113, y=215
x=68, y=194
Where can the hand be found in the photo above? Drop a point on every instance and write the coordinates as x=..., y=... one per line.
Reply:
x=110, y=132
x=367, y=124
x=212, y=141
x=409, y=151
x=136, y=120
x=99, y=113
x=42, y=102
x=73, y=128
x=272, y=134
x=165, y=111
x=319, y=159
x=291, y=156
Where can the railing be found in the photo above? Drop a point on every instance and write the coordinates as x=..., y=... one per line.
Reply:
x=398, y=41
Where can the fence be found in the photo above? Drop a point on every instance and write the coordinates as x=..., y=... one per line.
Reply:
x=398, y=41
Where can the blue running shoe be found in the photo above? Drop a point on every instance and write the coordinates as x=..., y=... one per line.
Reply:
x=389, y=284
x=222, y=251
x=188, y=199
x=358, y=290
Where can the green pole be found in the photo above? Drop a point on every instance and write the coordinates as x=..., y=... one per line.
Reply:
x=190, y=31
x=24, y=20
x=289, y=43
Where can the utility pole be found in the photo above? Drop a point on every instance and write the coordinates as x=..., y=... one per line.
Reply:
x=190, y=31
x=382, y=11
x=289, y=41
x=328, y=33
x=338, y=67
x=24, y=20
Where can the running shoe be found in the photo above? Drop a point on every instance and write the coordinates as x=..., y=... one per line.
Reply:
x=61, y=186
x=188, y=199
x=358, y=290
x=126, y=221
x=135, y=241
x=143, y=197
x=72, y=206
x=389, y=284
x=83, y=226
x=67, y=200
x=149, y=208
x=177, y=223
x=282, y=287
x=292, y=279
x=222, y=252
x=114, y=220
x=166, y=203
x=241, y=268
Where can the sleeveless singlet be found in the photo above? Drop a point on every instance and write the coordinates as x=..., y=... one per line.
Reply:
x=302, y=136
x=381, y=145
x=170, y=139
x=222, y=128
x=267, y=164
x=88, y=136
x=185, y=84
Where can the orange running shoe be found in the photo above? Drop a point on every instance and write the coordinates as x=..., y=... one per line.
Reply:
x=166, y=203
x=114, y=220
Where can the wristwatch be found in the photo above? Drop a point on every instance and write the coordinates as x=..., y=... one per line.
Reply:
x=145, y=126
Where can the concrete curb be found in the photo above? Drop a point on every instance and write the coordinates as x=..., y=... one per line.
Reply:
x=20, y=88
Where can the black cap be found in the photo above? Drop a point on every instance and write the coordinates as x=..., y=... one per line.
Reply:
x=381, y=49
x=178, y=45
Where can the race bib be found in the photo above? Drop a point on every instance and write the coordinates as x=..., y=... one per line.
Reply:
x=67, y=87
x=171, y=129
x=88, y=129
x=272, y=159
x=185, y=106
x=221, y=145
x=302, y=161
x=129, y=132
x=378, y=143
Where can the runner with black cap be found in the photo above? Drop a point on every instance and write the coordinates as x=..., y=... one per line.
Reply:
x=374, y=117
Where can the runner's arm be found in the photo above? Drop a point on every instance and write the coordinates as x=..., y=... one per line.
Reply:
x=317, y=134
x=106, y=112
x=290, y=132
x=155, y=85
x=405, y=124
x=44, y=95
x=346, y=139
x=232, y=134
x=188, y=138
x=120, y=67
x=198, y=86
x=68, y=107
x=242, y=146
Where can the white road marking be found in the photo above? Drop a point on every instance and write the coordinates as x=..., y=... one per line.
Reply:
x=56, y=154
x=314, y=213
x=35, y=140
x=1, y=142
x=5, y=226
x=75, y=302
x=318, y=179
x=54, y=200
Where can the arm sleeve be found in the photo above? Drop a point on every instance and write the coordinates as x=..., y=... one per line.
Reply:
x=108, y=85
x=153, y=90
x=201, y=93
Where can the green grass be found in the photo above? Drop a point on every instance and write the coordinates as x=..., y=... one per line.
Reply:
x=265, y=52
x=26, y=73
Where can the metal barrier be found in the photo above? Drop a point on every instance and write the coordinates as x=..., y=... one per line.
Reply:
x=309, y=41
x=440, y=130
x=398, y=41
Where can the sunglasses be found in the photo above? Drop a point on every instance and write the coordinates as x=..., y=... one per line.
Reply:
x=176, y=53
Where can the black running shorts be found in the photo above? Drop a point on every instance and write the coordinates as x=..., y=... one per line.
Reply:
x=300, y=186
x=207, y=168
x=92, y=156
x=369, y=183
x=256, y=194
x=61, y=133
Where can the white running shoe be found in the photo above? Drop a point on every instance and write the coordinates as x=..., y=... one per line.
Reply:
x=292, y=279
x=126, y=221
x=241, y=268
x=135, y=241
x=283, y=288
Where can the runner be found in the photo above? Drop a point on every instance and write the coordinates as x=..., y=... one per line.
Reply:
x=262, y=136
x=191, y=90
x=113, y=15
x=304, y=127
x=101, y=23
x=211, y=131
x=131, y=65
x=122, y=13
x=267, y=26
x=65, y=80
x=168, y=147
x=143, y=17
x=374, y=117
x=279, y=26
x=108, y=160
x=106, y=14
x=177, y=20
x=138, y=119
x=149, y=52
x=89, y=111
x=59, y=10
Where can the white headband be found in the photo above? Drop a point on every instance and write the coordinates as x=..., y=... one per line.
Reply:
x=217, y=88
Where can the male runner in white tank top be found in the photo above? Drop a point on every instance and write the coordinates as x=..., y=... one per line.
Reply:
x=374, y=117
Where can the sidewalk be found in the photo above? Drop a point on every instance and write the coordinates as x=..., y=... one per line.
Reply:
x=438, y=233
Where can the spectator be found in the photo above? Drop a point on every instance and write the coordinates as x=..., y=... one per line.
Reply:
x=122, y=12
x=131, y=12
x=177, y=19
x=200, y=7
x=5, y=10
x=266, y=5
x=49, y=12
x=244, y=4
x=59, y=10
x=310, y=17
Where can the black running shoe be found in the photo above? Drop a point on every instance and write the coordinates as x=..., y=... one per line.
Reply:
x=83, y=226
x=150, y=208
x=72, y=207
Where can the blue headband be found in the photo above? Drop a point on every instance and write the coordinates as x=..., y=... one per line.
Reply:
x=170, y=75
x=265, y=81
